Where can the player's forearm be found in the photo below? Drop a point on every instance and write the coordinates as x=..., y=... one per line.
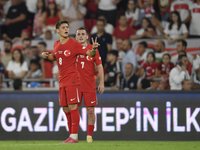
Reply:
x=91, y=53
x=101, y=73
x=51, y=57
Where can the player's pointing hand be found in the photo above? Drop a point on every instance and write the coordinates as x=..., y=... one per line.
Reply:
x=95, y=44
x=45, y=55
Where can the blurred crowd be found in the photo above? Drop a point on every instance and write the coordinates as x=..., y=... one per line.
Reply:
x=108, y=20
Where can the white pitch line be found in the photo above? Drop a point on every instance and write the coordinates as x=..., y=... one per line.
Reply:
x=28, y=144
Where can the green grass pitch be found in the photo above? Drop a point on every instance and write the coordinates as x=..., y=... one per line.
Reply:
x=99, y=145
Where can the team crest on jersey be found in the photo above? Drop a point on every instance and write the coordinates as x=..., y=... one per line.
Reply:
x=67, y=53
x=89, y=58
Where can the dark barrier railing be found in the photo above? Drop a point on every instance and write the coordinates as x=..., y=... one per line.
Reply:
x=121, y=115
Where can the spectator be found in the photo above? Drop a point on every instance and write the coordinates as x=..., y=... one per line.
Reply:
x=146, y=7
x=183, y=7
x=130, y=56
x=46, y=65
x=109, y=9
x=35, y=72
x=48, y=35
x=142, y=56
x=108, y=27
x=113, y=70
x=17, y=84
x=1, y=74
x=104, y=39
x=132, y=15
x=129, y=81
x=24, y=35
x=179, y=73
x=6, y=4
x=164, y=69
x=197, y=78
x=196, y=63
x=15, y=19
x=195, y=15
x=181, y=46
x=50, y=17
x=186, y=85
x=63, y=5
x=123, y=30
x=119, y=46
x=17, y=67
x=150, y=68
x=151, y=33
x=92, y=8
x=160, y=50
x=26, y=43
x=175, y=30
x=7, y=56
x=37, y=28
x=35, y=54
x=141, y=33
x=164, y=7
x=75, y=16
x=158, y=24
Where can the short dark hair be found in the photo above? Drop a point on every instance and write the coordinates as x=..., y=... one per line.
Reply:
x=9, y=41
x=143, y=43
x=121, y=15
x=17, y=84
x=167, y=54
x=34, y=61
x=43, y=43
x=82, y=28
x=130, y=64
x=184, y=43
x=157, y=16
x=58, y=23
x=101, y=20
x=103, y=16
x=113, y=52
x=181, y=56
x=26, y=39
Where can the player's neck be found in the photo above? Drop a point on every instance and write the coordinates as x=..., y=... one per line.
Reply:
x=85, y=44
x=63, y=40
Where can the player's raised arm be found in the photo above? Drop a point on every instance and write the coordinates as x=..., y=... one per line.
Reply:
x=47, y=55
x=92, y=53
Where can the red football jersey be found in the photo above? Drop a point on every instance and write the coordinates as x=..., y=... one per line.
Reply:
x=150, y=69
x=86, y=68
x=165, y=70
x=66, y=55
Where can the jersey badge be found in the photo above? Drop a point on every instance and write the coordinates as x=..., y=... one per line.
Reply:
x=89, y=58
x=67, y=53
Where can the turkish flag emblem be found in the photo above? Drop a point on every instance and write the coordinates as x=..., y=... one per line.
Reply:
x=89, y=58
x=67, y=53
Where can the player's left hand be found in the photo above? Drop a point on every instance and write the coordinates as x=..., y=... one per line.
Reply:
x=95, y=44
x=101, y=88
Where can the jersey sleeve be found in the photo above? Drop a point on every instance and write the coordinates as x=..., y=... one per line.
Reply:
x=54, y=48
x=98, y=58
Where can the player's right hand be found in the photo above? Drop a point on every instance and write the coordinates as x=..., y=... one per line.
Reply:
x=45, y=54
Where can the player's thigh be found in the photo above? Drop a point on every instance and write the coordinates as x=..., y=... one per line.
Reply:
x=90, y=98
x=73, y=94
x=62, y=96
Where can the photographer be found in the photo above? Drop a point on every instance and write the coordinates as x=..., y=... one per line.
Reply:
x=179, y=73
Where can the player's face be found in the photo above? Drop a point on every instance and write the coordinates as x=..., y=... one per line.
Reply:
x=63, y=30
x=166, y=59
x=81, y=36
x=128, y=69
